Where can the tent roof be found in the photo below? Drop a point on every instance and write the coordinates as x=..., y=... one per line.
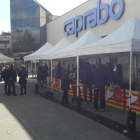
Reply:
x=119, y=41
x=4, y=58
x=59, y=46
x=32, y=56
x=71, y=50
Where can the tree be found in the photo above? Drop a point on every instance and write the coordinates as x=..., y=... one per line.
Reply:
x=25, y=43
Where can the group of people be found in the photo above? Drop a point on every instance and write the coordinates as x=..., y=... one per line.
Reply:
x=9, y=76
x=98, y=77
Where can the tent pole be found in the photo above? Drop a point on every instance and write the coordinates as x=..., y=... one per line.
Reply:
x=35, y=68
x=77, y=76
x=130, y=79
x=51, y=77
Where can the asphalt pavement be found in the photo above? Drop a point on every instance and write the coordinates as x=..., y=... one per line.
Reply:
x=31, y=117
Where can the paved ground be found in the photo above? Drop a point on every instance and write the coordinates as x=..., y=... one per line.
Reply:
x=31, y=117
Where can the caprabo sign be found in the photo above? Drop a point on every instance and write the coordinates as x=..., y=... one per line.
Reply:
x=93, y=18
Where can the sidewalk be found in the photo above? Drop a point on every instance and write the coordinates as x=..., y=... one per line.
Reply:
x=31, y=117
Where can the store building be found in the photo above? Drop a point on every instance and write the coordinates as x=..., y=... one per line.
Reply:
x=30, y=16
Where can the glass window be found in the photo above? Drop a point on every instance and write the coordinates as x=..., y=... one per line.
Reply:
x=36, y=23
x=36, y=11
x=18, y=4
x=24, y=25
x=12, y=5
x=30, y=3
x=18, y=15
x=37, y=35
x=31, y=12
x=18, y=26
x=13, y=15
x=30, y=24
x=24, y=14
x=13, y=26
x=24, y=3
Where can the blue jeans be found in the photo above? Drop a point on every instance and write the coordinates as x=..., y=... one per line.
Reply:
x=89, y=86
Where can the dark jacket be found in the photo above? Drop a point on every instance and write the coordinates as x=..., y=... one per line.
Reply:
x=4, y=75
x=23, y=77
x=109, y=75
x=99, y=78
x=40, y=73
x=65, y=81
x=45, y=70
x=86, y=75
x=12, y=74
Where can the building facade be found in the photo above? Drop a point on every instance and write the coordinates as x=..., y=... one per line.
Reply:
x=29, y=16
x=5, y=42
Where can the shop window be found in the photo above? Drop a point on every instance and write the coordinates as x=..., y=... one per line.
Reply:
x=18, y=15
x=30, y=24
x=31, y=12
x=12, y=5
x=18, y=4
x=30, y=3
x=13, y=26
x=36, y=11
x=24, y=14
x=24, y=3
x=36, y=23
x=24, y=25
x=13, y=16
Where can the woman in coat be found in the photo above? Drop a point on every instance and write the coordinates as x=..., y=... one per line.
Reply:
x=23, y=75
x=65, y=81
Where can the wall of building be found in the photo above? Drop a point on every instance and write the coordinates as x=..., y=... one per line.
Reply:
x=55, y=28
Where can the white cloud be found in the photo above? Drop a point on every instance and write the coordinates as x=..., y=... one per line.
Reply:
x=4, y=27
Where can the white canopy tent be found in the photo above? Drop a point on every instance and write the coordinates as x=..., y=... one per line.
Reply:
x=44, y=48
x=4, y=59
x=58, y=47
x=125, y=39
x=71, y=50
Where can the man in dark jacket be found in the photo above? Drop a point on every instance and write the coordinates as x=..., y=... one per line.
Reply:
x=45, y=72
x=100, y=81
x=86, y=77
x=5, y=78
x=12, y=78
x=65, y=81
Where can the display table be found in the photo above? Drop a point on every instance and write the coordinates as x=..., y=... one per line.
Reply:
x=113, y=96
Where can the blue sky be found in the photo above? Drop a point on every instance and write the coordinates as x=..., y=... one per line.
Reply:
x=60, y=7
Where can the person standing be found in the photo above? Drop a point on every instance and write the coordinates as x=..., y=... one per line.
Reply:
x=23, y=79
x=12, y=78
x=5, y=78
x=86, y=78
x=100, y=80
x=45, y=72
x=65, y=81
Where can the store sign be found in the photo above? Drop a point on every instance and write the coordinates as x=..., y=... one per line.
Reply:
x=94, y=17
x=123, y=60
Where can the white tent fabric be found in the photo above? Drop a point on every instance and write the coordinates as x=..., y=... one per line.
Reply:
x=125, y=39
x=44, y=48
x=59, y=46
x=71, y=50
x=4, y=59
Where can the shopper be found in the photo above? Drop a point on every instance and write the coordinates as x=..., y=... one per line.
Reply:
x=40, y=75
x=23, y=75
x=45, y=72
x=59, y=72
x=65, y=81
x=100, y=80
x=5, y=78
x=86, y=78
x=12, y=78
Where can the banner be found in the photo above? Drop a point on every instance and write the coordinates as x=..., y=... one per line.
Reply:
x=54, y=63
x=92, y=60
x=104, y=60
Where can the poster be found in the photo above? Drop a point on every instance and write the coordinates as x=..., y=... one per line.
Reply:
x=54, y=63
x=92, y=60
x=123, y=60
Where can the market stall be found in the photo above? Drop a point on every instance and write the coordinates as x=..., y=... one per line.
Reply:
x=4, y=59
x=123, y=42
